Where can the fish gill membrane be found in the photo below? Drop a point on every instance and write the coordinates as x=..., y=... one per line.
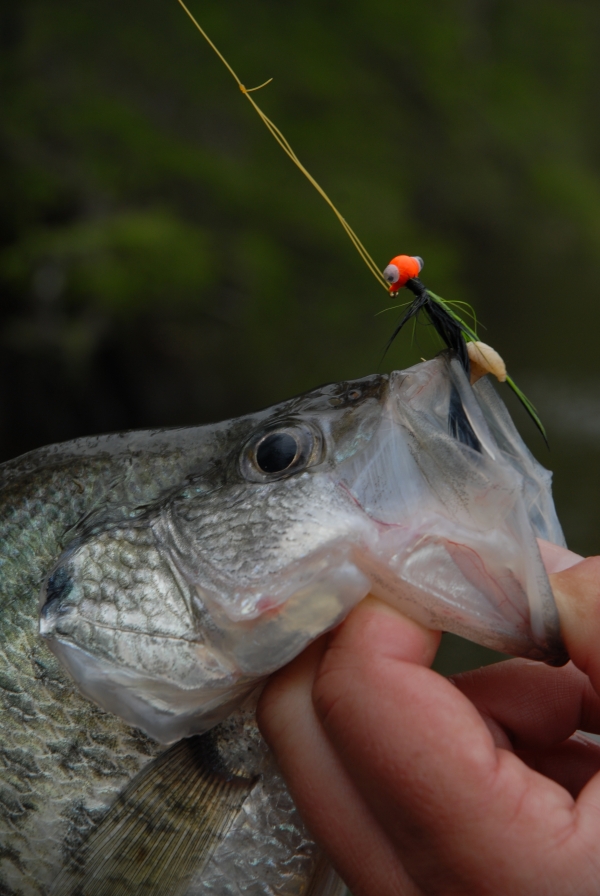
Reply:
x=413, y=486
x=179, y=568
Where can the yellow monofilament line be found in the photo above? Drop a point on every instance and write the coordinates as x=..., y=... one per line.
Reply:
x=290, y=152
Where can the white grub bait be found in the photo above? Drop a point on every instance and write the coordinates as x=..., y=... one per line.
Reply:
x=485, y=359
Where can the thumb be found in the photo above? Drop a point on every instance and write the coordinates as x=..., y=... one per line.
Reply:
x=576, y=588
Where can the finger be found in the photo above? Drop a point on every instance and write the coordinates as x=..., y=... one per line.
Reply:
x=425, y=762
x=530, y=705
x=577, y=594
x=571, y=764
x=325, y=795
x=557, y=558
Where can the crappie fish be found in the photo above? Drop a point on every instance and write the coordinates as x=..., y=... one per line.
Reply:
x=152, y=580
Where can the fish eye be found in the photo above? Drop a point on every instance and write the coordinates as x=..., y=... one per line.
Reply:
x=391, y=273
x=280, y=451
x=276, y=452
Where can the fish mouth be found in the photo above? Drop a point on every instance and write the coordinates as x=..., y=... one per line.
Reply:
x=455, y=515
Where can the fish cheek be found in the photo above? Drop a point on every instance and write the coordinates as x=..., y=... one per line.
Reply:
x=272, y=563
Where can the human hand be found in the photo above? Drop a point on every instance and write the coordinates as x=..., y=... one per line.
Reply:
x=416, y=784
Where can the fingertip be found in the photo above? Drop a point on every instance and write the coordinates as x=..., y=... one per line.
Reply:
x=347, y=661
x=556, y=558
x=374, y=628
x=355, y=669
x=576, y=591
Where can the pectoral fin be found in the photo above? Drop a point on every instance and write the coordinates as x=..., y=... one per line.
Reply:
x=162, y=828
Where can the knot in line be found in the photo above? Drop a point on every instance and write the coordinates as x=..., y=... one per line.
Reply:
x=252, y=89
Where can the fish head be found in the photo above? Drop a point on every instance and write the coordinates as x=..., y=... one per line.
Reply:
x=413, y=486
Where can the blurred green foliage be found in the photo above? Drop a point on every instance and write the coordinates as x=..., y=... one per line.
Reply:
x=162, y=261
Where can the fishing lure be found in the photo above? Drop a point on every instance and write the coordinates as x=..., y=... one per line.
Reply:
x=455, y=333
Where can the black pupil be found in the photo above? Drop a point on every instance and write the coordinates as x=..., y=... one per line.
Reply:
x=276, y=452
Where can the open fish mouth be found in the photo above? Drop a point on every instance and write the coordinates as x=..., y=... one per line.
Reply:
x=415, y=487
x=458, y=502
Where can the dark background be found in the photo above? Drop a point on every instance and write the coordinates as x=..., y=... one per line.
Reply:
x=162, y=262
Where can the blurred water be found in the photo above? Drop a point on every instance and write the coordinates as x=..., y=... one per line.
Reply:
x=570, y=408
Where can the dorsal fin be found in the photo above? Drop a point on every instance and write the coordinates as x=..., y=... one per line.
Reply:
x=161, y=829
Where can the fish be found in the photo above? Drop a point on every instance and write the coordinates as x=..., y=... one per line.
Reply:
x=151, y=581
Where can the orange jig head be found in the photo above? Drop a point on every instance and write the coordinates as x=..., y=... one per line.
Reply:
x=402, y=268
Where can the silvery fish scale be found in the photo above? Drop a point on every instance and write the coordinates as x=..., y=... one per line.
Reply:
x=150, y=581
x=414, y=487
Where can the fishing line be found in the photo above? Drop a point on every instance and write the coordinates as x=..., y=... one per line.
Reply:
x=448, y=324
x=279, y=137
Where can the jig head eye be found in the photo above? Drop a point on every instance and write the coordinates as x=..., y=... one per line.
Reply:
x=391, y=273
x=402, y=268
